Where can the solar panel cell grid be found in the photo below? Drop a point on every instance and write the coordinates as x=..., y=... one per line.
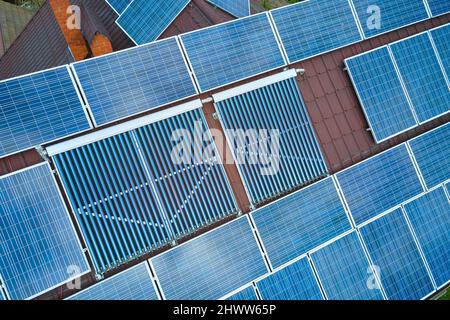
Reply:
x=38, y=243
x=246, y=294
x=232, y=51
x=39, y=108
x=393, y=251
x=438, y=7
x=344, y=271
x=294, y=282
x=423, y=77
x=211, y=265
x=119, y=5
x=135, y=80
x=295, y=224
x=381, y=93
x=380, y=183
x=441, y=38
x=238, y=8
x=313, y=27
x=430, y=219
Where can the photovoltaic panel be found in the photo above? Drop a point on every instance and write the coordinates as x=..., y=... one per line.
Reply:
x=439, y=7
x=134, y=80
x=238, y=8
x=38, y=243
x=379, y=183
x=39, y=108
x=134, y=283
x=430, y=219
x=193, y=189
x=422, y=75
x=432, y=153
x=381, y=93
x=144, y=21
x=119, y=5
x=211, y=265
x=248, y=293
x=393, y=251
x=232, y=51
x=344, y=270
x=377, y=17
x=272, y=162
x=294, y=282
x=313, y=27
x=441, y=38
x=301, y=221
x=113, y=200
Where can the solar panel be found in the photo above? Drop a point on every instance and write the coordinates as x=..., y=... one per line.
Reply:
x=112, y=200
x=438, y=7
x=394, y=253
x=301, y=221
x=246, y=294
x=134, y=283
x=294, y=282
x=119, y=5
x=238, y=8
x=423, y=77
x=344, y=270
x=211, y=265
x=430, y=219
x=144, y=21
x=441, y=36
x=380, y=93
x=232, y=51
x=39, y=108
x=378, y=184
x=272, y=162
x=377, y=17
x=314, y=27
x=195, y=191
x=432, y=153
x=39, y=248
x=135, y=80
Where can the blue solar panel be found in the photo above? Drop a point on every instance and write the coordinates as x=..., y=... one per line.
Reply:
x=422, y=76
x=119, y=5
x=232, y=51
x=132, y=284
x=313, y=27
x=381, y=93
x=212, y=265
x=248, y=293
x=238, y=8
x=432, y=153
x=295, y=157
x=394, y=253
x=379, y=183
x=135, y=80
x=144, y=21
x=301, y=221
x=294, y=282
x=39, y=108
x=344, y=270
x=430, y=219
x=390, y=14
x=38, y=243
x=439, y=7
x=441, y=38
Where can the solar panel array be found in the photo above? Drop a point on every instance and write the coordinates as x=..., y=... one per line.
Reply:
x=438, y=7
x=144, y=21
x=134, y=80
x=441, y=36
x=119, y=5
x=238, y=8
x=39, y=248
x=401, y=85
x=130, y=197
x=232, y=51
x=132, y=284
x=272, y=162
x=39, y=108
x=248, y=293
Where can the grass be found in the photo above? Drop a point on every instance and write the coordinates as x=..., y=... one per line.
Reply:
x=446, y=295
